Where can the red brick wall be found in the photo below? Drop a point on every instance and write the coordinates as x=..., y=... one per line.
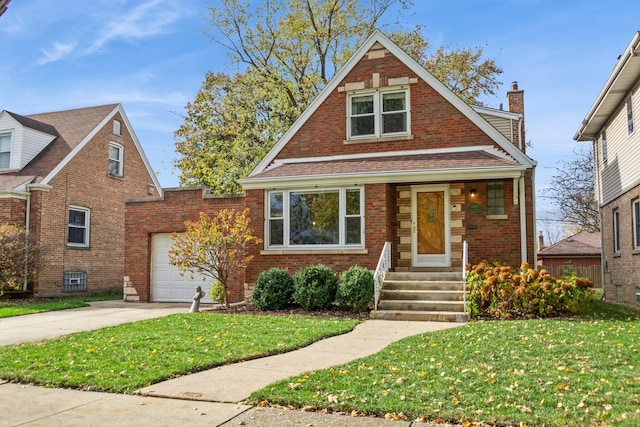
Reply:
x=379, y=220
x=12, y=211
x=435, y=123
x=622, y=270
x=167, y=215
x=84, y=182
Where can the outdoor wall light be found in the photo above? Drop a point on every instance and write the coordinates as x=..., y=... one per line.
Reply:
x=473, y=192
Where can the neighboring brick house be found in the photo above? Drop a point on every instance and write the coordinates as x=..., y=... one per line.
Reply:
x=612, y=125
x=65, y=175
x=385, y=153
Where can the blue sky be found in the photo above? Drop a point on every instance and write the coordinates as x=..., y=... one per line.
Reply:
x=152, y=55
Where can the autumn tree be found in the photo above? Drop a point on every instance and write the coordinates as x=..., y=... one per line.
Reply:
x=572, y=191
x=19, y=257
x=285, y=53
x=214, y=246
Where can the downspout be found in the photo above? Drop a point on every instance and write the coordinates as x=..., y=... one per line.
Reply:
x=520, y=143
x=534, y=219
x=523, y=220
x=27, y=221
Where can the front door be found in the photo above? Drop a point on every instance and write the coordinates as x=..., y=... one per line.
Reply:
x=430, y=231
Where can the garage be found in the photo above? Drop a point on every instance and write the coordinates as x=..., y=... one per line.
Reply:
x=167, y=284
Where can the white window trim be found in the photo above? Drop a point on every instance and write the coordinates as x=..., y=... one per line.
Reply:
x=616, y=232
x=285, y=218
x=10, y=135
x=377, y=113
x=603, y=146
x=87, y=226
x=635, y=206
x=120, y=159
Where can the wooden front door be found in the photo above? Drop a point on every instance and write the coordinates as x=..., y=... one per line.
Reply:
x=430, y=231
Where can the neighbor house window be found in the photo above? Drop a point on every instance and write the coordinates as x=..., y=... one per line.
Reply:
x=76, y=281
x=115, y=159
x=616, y=231
x=495, y=198
x=635, y=212
x=117, y=128
x=378, y=114
x=304, y=218
x=78, y=230
x=604, y=147
x=5, y=151
x=630, y=115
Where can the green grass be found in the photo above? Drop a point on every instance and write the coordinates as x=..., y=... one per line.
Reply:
x=11, y=308
x=130, y=356
x=564, y=372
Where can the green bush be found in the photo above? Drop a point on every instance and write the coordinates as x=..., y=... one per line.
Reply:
x=314, y=287
x=216, y=292
x=355, y=288
x=273, y=290
x=503, y=292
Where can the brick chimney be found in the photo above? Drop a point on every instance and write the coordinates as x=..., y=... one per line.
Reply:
x=515, y=100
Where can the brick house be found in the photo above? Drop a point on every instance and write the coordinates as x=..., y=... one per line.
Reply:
x=385, y=153
x=610, y=126
x=65, y=176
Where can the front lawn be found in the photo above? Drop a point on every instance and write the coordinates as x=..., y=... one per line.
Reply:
x=10, y=308
x=130, y=356
x=555, y=372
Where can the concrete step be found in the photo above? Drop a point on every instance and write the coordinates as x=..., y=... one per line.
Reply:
x=421, y=316
x=431, y=276
x=411, y=305
x=422, y=285
x=421, y=295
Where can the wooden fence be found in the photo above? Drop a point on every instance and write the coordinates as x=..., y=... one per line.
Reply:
x=592, y=272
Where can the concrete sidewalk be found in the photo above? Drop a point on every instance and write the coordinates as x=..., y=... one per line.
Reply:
x=209, y=398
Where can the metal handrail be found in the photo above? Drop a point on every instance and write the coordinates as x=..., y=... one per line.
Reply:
x=465, y=261
x=384, y=265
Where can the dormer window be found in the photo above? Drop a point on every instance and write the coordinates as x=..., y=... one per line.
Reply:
x=378, y=114
x=115, y=159
x=5, y=151
x=117, y=128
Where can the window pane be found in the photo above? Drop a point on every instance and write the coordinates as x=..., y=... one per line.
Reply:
x=276, y=232
x=275, y=205
x=353, y=202
x=5, y=143
x=362, y=105
x=616, y=231
x=114, y=152
x=364, y=125
x=495, y=198
x=77, y=218
x=392, y=123
x=114, y=167
x=393, y=102
x=636, y=224
x=76, y=235
x=314, y=218
x=4, y=160
x=353, y=230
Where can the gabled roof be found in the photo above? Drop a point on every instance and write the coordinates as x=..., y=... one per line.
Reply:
x=74, y=129
x=378, y=37
x=34, y=124
x=584, y=243
x=621, y=81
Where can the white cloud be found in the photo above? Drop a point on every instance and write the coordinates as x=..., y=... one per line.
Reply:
x=58, y=51
x=148, y=19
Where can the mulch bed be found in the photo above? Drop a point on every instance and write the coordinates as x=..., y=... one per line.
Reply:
x=332, y=311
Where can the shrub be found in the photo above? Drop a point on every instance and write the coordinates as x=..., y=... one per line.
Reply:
x=314, y=287
x=355, y=288
x=503, y=292
x=273, y=290
x=216, y=292
x=18, y=250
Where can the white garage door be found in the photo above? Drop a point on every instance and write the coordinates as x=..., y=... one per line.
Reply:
x=167, y=285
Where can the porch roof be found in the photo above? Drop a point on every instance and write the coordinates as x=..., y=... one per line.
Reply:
x=390, y=167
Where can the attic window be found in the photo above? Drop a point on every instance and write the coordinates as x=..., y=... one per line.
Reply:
x=5, y=151
x=377, y=114
x=630, y=115
x=115, y=159
x=117, y=128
